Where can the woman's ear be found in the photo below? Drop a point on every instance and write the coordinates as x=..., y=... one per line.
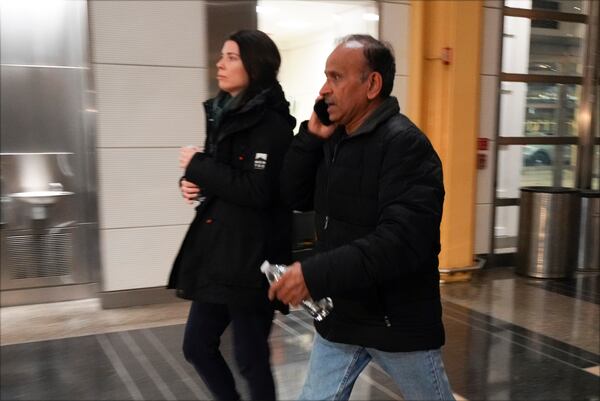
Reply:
x=375, y=85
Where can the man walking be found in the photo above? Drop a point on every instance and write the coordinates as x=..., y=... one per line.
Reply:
x=375, y=184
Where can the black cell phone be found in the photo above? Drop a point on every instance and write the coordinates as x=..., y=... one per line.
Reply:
x=321, y=110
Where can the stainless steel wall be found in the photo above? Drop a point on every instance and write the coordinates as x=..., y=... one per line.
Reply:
x=47, y=141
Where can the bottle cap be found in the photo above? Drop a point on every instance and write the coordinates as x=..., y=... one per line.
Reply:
x=265, y=266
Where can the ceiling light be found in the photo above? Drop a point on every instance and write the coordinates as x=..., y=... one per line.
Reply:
x=370, y=17
x=266, y=10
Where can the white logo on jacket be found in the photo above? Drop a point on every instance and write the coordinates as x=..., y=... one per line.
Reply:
x=260, y=161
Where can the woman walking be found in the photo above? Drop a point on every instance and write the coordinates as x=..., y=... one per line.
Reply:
x=240, y=220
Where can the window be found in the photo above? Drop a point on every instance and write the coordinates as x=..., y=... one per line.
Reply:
x=539, y=109
x=541, y=98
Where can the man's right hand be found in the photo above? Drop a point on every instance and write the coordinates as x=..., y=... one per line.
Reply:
x=290, y=288
x=190, y=191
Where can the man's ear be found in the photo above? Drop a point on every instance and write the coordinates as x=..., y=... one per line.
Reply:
x=375, y=83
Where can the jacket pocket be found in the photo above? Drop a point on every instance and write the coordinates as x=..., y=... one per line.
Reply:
x=367, y=311
x=233, y=255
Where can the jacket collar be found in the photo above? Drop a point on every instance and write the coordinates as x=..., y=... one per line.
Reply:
x=250, y=113
x=245, y=116
x=388, y=108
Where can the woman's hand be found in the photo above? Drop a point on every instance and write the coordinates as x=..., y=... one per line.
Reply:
x=185, y=155
x=190, y=191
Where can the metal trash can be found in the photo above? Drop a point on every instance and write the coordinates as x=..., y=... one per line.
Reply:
x=548, y=229
x=589, y=232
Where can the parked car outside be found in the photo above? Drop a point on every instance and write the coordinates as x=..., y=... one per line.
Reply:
x=544, y=155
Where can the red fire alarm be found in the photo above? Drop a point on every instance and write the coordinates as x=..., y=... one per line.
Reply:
x=482, y=143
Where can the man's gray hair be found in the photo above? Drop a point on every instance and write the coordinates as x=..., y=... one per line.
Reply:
x=379, y=56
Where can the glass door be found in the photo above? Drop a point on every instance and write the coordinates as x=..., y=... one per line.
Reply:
x=543, y=100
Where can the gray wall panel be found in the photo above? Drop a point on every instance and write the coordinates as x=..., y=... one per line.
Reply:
x=150, y=106
x=170, y=33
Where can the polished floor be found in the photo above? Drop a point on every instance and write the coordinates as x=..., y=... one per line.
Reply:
x=508, y=338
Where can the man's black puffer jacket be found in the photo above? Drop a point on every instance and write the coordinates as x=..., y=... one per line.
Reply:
x=243, y=220
x=378, y=197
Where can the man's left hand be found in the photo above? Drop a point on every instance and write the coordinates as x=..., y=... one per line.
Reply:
x=290, y=288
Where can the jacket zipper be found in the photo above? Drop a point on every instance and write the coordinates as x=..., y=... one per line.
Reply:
x=328, y=177
x=386, y=319
x=210, y=134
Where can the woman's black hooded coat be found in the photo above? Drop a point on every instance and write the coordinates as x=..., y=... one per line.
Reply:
x=242, y=220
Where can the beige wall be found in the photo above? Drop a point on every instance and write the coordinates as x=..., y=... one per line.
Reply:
x=150, y=69
x=302, y=92
x=394, y=27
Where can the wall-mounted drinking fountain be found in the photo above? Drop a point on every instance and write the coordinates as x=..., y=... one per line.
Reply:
x=41, y=200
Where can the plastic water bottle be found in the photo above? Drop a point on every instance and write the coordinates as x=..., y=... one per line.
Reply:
x=317, y=309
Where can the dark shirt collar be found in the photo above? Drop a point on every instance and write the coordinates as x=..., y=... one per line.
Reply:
x=382, y=113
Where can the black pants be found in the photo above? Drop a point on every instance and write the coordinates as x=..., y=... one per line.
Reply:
x=251, y=326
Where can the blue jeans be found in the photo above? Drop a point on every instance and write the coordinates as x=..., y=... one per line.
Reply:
x=333, y=368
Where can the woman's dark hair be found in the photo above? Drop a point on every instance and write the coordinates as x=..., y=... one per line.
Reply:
x=380, y=58
x=260, y=57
